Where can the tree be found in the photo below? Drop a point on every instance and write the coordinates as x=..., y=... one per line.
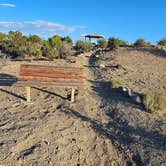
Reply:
x=114, y=43
x=162, y=42
x=102, y=43
x=83, y=46
x=36, y=52
x=141, y=43
x=2, y=36
x=15, y=44
x=49, y=51
x=55, y=41
x=67, y=39
x=66, y=49
x=35, y=39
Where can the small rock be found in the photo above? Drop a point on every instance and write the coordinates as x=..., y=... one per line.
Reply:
x=129, y=92
x=59, y=106
x=122, y=89
x=16, y=104
x=102, y=65
x=136, y=98
x=113, y=163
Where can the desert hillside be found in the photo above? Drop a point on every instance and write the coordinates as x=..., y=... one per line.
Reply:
x=102, y=127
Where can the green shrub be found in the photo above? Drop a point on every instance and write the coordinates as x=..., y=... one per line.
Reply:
x=34, y=39
x=2, y=36
x=36, y=52
x=83, y=46
x=154, y=101
x=162, y=42
x=102, y=43
x=114, y=43
x=141, y=43
x=116, y=83
x=66, y=49
x=124, y=43
x=48, y=51
x=68, y=40
x=55, y=42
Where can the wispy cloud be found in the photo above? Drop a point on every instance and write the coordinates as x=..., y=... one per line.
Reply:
x=7, y=5
x=43, y=28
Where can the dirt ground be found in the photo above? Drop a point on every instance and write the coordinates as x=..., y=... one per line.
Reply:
x=102, y=127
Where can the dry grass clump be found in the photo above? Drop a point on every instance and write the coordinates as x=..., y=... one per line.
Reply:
x=116, y=83
x=155, y=101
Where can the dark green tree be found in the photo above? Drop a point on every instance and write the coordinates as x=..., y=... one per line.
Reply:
x=67, y=39
x=162, y=42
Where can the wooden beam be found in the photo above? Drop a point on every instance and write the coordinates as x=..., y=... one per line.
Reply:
x=72, y=94
x=28, y=91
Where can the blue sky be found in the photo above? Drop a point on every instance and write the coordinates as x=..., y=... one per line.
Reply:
x=125, y=19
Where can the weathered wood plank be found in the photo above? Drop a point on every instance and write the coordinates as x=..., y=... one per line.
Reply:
x=49, y=67
x=39, y=84
x=74, y=72
x=59, y=80
x=50, y=75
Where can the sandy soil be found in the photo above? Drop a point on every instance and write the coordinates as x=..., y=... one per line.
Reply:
x=133, y=131
x=102, y=127
x=51, y=130
x=140, y=70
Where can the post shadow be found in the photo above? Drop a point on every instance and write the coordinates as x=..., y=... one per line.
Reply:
x=13, y=94
x=49, y=92
x=151, y=139
x=8, y=80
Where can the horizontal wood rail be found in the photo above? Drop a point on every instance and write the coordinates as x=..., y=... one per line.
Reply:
x=39, y=75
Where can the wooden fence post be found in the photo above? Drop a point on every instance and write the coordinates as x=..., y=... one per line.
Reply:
x=72, y=94
x=28, y=91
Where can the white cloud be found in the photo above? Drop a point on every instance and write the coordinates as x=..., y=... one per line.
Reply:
x=43, y=28
x=7, y=5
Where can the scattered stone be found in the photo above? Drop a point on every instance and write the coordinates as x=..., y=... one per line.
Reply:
x=59, y=106
x=129, y=92
x=46, y=142
x=16, y=104
x=102, y=65
x=113, y=163
x=117, y=66
x=136, y=99
x=122, y=89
